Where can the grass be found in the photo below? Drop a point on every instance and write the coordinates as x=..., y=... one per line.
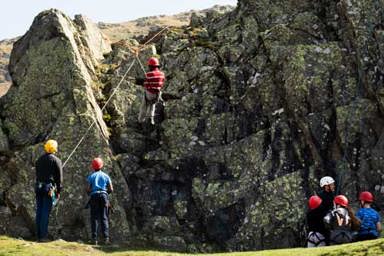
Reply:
x=11, y=246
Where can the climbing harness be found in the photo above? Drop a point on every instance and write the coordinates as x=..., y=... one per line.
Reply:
x=137, y=52
x=315, y=239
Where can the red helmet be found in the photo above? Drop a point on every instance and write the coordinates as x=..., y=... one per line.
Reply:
x=153, y=62
x=314, y=202
x=366, y=197
x=97, y=163
x=341, y=200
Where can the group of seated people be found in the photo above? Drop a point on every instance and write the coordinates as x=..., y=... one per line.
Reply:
x=331, y=220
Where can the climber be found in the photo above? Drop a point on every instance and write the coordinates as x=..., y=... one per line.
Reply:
x=341, y=221
x=99, y=186
x=154, y=81
x=49, y=180
x=316, y=228
x=370, y=219
x=327, y=194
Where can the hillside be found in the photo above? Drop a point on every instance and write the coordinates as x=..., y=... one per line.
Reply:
x=5, y=51
x=143, y=26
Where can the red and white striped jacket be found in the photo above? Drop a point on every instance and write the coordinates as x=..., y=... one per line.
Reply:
x=154, y=81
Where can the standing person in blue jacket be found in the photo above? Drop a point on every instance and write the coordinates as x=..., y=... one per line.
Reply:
x=99, y=186
x=370, y=227
x=49, y=180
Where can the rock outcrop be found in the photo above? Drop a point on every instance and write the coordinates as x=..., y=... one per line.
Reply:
x=52, y=96
x=263, y=101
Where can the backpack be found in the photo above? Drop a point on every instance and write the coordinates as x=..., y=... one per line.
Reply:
x=341, y=227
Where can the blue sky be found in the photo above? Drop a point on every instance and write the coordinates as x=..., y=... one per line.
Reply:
x=17, y=15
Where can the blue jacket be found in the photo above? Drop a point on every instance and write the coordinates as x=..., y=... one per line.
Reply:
x=368, y=217
x=99, y=182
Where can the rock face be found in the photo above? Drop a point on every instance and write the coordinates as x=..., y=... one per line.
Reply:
x=52, y=97
x=263, y=101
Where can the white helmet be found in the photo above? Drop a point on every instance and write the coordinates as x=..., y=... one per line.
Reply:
x=327, y=180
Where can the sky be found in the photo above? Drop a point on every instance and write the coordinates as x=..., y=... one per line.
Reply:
x=16, y=16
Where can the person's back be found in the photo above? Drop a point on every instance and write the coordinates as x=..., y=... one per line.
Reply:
x=153, y=83
x=49, y=170
x=369, y=218
x=339, y=222
x=99, y=182
x=316, y=228
x=154, y=80
x=99, y=186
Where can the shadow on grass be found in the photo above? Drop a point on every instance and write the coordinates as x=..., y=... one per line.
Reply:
x=136, y=247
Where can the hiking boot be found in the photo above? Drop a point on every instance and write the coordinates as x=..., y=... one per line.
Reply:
x=107, y=241
x=43, y=240
x=93, y=242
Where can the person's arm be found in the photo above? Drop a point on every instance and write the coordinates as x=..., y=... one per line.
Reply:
x=378, y=223
x=139, y=81
x=89, y=187
x=59, y=177
x=109, y=186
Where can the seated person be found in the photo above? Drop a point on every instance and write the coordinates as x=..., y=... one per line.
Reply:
x=341, y=222
x=316, y=228
x=370, y=227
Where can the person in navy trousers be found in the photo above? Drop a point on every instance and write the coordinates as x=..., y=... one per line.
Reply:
x=99, y=186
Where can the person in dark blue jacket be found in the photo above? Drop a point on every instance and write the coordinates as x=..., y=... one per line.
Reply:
x=49, y=180
x=370, y=227
x=99, y=186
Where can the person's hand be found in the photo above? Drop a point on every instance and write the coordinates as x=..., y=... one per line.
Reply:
x=58, y=196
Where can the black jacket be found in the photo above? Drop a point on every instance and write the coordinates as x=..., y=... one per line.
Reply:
x=327, y=200
x=49, y=169
x=315, y=221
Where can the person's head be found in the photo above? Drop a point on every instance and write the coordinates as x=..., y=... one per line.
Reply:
x=366, y=198
x=327, y=183
x=50, y=147
x=314, y=202
x=153, y=63
x=97, y=164
x=341, y=200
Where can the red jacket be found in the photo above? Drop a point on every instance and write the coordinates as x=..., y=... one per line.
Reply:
x=154, y=81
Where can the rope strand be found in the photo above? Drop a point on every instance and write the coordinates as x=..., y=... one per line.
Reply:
x=115, y=90
x=150, y=40
x=94, y=121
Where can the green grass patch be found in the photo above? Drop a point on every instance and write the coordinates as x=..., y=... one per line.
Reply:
x=11, y=246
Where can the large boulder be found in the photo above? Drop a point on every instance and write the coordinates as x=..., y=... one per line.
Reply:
x=52, y=67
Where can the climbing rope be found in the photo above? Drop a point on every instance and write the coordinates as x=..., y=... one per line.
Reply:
x=137, y=51
x=94, y=121
x=153, y=37
x=141, y=64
